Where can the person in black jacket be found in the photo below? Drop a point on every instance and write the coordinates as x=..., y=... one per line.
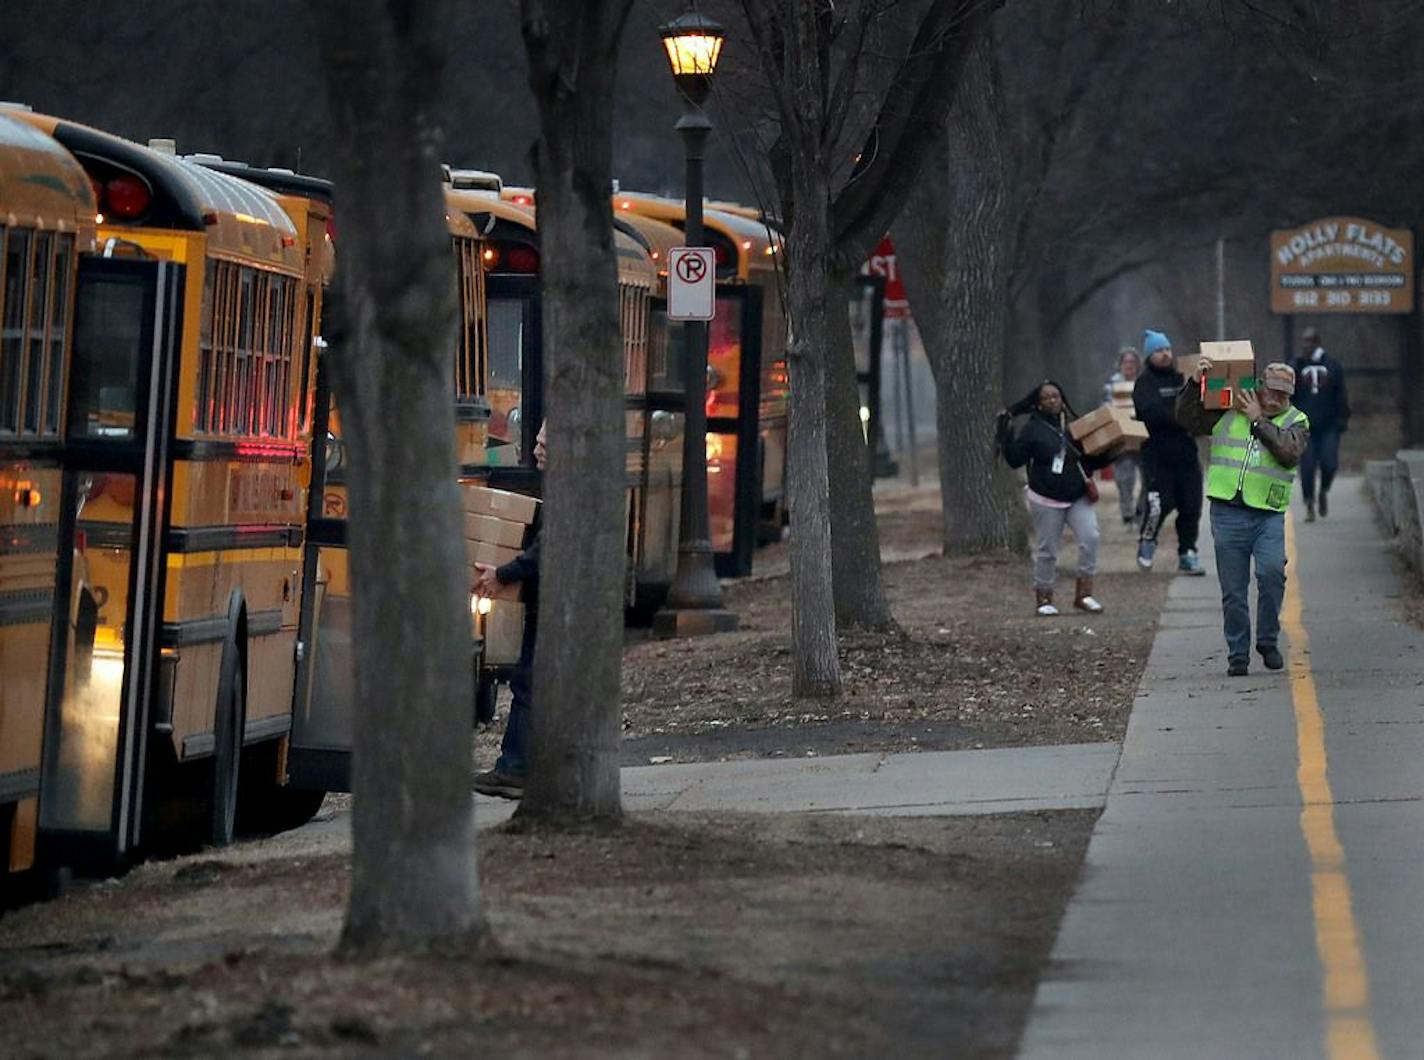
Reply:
x=1320, y=394
x=1170, y=465
x=1059, y=491
x=506, y=779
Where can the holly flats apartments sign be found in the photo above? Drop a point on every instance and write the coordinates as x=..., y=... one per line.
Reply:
x=1342, y=265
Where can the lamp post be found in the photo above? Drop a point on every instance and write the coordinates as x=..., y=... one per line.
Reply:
x=694, y=603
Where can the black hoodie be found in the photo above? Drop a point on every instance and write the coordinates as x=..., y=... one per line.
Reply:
x=1039, y=441
x=1320, y=392
x=1155, y=398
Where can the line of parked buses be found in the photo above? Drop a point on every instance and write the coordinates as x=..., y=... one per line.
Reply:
x=175, y=657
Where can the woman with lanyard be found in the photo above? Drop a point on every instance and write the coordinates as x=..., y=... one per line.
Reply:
x=1060, y=490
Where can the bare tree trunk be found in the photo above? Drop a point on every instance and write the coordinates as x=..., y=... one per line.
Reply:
x=573, y=51
x=413, y=843
x=955, y=265
x=857, y=583
x=816, y=670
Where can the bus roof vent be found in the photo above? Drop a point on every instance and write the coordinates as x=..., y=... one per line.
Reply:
x=283, y=170
x=475, y=180
x=204, y=159
x=163, y=145
x=16, y=106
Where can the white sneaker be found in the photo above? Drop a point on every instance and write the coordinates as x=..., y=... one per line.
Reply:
x=1088, y=603
x=1047, y=610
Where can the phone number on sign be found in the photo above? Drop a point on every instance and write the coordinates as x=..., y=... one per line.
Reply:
x=1342, y=299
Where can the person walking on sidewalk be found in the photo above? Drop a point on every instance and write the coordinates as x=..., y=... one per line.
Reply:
x=1126, y=465
x=1320, y=394
x=1171, y=471
x=506, y=779
x=1255, y=447
x=1060, y=491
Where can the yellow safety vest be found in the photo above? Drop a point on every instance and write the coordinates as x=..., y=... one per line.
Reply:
x=1240, y=463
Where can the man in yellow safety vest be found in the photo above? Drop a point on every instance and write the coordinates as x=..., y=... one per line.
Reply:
x=1255, y=447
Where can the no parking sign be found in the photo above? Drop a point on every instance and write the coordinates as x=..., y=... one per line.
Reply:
x=692, y=275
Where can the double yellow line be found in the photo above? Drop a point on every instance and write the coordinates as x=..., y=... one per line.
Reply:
x=1349, y=1031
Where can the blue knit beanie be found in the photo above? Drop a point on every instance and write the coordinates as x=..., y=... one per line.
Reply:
x=1152, y=341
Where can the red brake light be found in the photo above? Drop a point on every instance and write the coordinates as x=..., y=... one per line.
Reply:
x=126, y=197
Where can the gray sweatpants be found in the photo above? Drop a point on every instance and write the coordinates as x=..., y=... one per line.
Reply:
x=1125, y=470
x=1048, y=532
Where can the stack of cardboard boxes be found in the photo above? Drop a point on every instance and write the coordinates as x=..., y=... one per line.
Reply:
x=497, y=526
x=1109, y=428
x=1233, y=368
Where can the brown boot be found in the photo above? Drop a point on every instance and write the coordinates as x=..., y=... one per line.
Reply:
x=1044, y=598
x=1083, y=597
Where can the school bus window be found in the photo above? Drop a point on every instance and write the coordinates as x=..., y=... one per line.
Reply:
x=41, y=262
x=242, y=392
x=470, y=354
x=108, y=338
x=203, y=411
x=309, y=337
x=58, y=335
x=12, y=340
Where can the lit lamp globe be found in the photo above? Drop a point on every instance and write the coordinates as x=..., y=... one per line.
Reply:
x=693, y=43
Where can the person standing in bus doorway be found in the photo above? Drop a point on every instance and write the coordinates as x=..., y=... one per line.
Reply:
x=506, y=779
x=1320, y=394
x=1170, y=467
x=1255, y=447
x=1127, y=465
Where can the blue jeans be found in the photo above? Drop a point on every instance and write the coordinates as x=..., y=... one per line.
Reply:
x=1243, y=535
x=1323, y=452
x=514, y=748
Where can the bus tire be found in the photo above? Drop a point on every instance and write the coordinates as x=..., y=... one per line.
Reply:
x=229, y=722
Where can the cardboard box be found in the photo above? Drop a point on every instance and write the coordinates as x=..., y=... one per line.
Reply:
x=1086, y=425
x=484, y=552
x=1121, y=433
x=503, y=631
x=1121, y=395
x=503, y=532
x=1231, y=362
x=500, y=504
x=1134, y=434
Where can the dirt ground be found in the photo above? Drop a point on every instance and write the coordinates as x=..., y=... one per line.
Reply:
x=973, y=665
x=678, y=936
x=681, y=934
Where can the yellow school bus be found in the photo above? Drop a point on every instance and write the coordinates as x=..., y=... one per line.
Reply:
x=187, y=456
x=47, y=213
x=746, y=379
x=322, y=733
x=666, y=420
x=515, y=383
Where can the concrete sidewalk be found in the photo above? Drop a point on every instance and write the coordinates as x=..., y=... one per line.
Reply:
x=1194, y=929
x=931, y=783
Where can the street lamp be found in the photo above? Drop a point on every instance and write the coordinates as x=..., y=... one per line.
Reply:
x=694, y=602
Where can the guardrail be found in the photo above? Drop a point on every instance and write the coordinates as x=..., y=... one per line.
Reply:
x=1397, y=487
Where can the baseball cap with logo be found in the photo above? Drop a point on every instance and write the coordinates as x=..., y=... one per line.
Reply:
x=1279, y=376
